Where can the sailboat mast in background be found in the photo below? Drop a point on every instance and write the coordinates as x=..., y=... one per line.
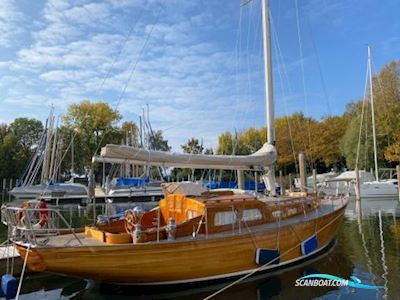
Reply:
x=373, y=113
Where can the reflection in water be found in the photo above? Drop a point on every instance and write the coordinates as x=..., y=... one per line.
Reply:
x=365, y=248
x=385, y=268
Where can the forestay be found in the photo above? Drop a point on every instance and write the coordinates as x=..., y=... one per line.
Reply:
x=266, y=156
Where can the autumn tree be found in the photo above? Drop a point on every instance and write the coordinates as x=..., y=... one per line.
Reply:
x=93, y=125
x=130, y=132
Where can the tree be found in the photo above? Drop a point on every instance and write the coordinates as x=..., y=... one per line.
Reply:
x=4, y=130
x=209, y=151
x=27, y=131
x=8, y=151
x=386, y=89
x=17, y=144
x=192, y=146
x=225, y=143
x=94, y=125
x=130, y=131
x=349, y=146
x=157, y=142
x=295, y=134
x=326, y=142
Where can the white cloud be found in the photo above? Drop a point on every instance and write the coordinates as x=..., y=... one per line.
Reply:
x=187, y=76
x=11, y=19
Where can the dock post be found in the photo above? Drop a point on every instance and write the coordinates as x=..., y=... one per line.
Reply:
x=3, y=191
x=290, y=182
x=357, y=187
x=314, y=175
x=10, y=188
x=240, y=176
x=303, y=179
x=92, y=194
x=281, y=182
x=398, y=178
x=255, y=181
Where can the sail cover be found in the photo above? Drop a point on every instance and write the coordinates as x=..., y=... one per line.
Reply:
x=125, y=154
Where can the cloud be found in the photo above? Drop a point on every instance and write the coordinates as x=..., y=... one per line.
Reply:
x=188, y=75
x=11, y=19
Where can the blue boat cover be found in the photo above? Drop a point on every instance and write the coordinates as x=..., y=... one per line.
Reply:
x=248, y=185
x=135, y=181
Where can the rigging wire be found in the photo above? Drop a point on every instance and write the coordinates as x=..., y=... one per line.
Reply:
x=323, y=84
x=282, y=69
x=133, y=69
x=101, y=86
x=362, y=116
x=303, y=79
x=381, y=89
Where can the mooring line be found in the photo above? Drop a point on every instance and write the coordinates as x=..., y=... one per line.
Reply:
x=23, y=272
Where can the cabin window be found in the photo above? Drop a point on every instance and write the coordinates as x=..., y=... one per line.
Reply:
x=224, y=218
x=251, y=214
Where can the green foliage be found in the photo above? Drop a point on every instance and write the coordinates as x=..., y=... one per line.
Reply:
x=349, y=145
x=94, y=125
x=27, y=131
x=386, y=88
x=192, y=146
x=17, y=145
x=157, y=142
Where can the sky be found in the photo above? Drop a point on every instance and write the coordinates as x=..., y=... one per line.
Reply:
x=197, y=64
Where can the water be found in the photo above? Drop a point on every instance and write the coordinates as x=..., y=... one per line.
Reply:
x=361, y=250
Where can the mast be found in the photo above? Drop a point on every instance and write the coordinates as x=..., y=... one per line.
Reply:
x=372, y=113
x=269, y=100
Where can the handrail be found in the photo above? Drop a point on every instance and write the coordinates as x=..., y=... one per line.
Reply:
x=13, y=222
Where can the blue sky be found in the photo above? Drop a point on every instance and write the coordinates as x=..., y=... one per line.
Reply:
x=198, y=64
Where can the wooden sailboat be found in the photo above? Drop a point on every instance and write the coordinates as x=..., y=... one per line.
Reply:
x=194, y=234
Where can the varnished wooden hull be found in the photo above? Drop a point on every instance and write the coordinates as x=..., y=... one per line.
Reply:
x=182, y=261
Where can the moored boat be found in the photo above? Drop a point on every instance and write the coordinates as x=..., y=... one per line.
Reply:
x=188, y=238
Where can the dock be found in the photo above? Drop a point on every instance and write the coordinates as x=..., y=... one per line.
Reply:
x=10, y=253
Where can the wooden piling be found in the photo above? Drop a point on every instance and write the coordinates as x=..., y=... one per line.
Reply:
x=290, y=182
x=240, y=178
x=10, y=188
x=303, y=179
x=3, y=192
x=256, y=181
x=357, y=187
x=281, y=182
x=398, y=179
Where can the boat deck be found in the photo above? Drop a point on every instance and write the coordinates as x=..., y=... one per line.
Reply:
x=70, y=240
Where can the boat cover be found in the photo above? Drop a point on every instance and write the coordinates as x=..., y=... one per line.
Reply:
x=126, y=154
